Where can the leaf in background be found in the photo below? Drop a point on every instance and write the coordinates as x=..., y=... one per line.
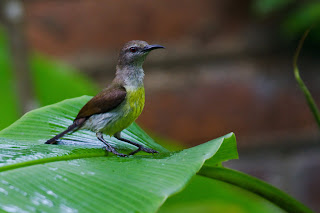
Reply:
x=9, y=102
x=301, y=19
x=35, y=176
x=265, y=7
x=55, y=81
x=52, y=82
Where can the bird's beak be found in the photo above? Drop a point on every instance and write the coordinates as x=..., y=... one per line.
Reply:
x=150, y=47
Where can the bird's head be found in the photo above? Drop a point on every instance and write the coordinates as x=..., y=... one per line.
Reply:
x=133, y=53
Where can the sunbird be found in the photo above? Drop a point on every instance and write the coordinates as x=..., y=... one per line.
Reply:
x=118, y=105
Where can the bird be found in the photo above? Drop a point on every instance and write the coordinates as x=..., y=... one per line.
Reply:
x=118, y=105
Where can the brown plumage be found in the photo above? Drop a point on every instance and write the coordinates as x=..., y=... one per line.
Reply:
x=105, y=101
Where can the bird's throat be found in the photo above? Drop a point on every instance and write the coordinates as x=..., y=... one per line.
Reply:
x=130, y=76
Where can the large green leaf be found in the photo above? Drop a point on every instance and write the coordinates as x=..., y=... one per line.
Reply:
x=61, y=178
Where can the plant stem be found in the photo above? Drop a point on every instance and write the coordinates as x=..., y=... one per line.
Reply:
x=256, y=186
x=303, y=87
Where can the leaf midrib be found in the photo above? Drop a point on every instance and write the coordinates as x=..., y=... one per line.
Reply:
x=50, y=160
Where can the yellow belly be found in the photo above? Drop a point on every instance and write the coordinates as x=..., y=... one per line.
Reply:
x=127, y=112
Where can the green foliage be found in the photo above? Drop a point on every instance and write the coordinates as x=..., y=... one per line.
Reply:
x=294, y=17
x=7, y=89
x=265, y=7
x=55, y=81
x=303, y=18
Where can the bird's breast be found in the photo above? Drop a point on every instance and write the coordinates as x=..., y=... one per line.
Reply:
x=128, y=111
x=121, y=117
x=134, y=102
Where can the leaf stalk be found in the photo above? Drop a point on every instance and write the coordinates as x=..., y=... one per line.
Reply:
x=256, y=186
x=312, y=104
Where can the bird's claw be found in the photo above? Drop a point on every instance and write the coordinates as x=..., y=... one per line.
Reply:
x=111, y=149
x=149, y=150
x=106, y=148
x=145, y=149
x=141, y=148
x=120, y=154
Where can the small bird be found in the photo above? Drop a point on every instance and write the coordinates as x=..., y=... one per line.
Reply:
x=121, y=103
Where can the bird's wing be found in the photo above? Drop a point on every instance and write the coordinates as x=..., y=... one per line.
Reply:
x=103, y=102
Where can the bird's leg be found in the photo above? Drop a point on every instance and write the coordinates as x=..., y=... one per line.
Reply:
x=108, y=147
x=140, y=147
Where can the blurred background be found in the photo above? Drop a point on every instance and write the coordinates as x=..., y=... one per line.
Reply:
x=227, y=67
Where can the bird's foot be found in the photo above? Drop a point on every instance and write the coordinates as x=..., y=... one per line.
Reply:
x=108, y=147
x=51, y=141
x=145, y=149
x=111, y=149
x=140, y=147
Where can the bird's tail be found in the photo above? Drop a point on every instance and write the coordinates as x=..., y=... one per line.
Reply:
x=76, y=124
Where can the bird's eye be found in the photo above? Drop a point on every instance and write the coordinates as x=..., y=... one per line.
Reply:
x=133, y=49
